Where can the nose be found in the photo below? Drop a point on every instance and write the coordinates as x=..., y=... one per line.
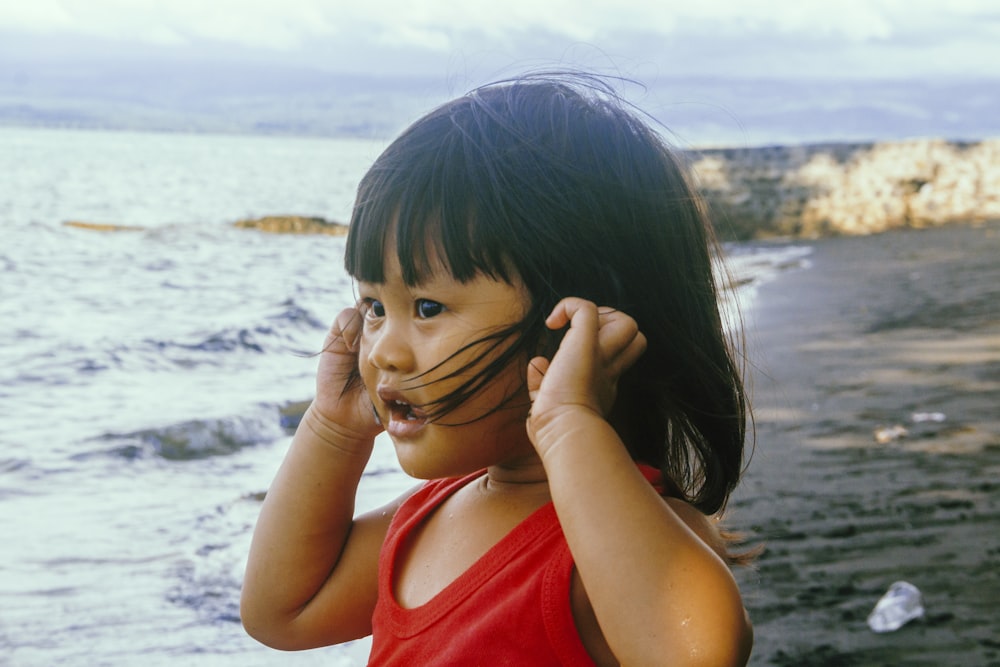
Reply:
x=388, y=348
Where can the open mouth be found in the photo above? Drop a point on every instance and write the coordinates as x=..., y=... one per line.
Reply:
x=402, y=411
x=404, y=419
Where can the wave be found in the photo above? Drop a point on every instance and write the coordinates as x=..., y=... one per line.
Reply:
x=747, y=266
x=293, y=313
x=208, y=578
x=193, y=439
x=760, y=262
x=276, y=333
x=228, y=340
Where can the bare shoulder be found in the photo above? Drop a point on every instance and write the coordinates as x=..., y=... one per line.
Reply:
x=372, y=526
x=705, y=527
x=708, y=528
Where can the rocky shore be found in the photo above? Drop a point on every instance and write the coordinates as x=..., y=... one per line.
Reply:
x=848, y=189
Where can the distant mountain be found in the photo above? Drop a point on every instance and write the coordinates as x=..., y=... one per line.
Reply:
x=332, y=114
x=169, y=93
x=55, y=85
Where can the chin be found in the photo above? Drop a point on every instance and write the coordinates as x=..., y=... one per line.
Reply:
x=415, y=462
x=420, y=470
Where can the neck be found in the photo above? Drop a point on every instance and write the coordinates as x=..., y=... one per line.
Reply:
x=524, y=476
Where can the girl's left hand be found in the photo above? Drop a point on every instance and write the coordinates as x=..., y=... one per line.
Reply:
x=600, y=345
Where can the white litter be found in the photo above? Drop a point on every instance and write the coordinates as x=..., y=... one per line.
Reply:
x=901, y=604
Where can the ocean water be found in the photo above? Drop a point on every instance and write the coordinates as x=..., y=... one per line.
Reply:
x=141, y=376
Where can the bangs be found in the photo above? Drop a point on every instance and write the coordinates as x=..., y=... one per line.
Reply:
x=430, y=191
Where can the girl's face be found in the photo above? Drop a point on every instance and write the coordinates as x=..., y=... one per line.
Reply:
x=408, y=331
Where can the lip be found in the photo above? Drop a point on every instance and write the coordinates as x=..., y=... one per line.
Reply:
x=405, y=419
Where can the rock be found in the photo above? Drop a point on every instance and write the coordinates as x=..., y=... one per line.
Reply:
x=293, y=224
x=102, y=227
x=832, y=189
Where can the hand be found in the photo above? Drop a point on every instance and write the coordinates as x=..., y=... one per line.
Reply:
x=348, y=413
x=600, y=345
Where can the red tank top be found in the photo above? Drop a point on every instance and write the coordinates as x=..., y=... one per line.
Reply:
x=511, y=607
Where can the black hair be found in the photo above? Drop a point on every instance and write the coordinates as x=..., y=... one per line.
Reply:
x=552, y=179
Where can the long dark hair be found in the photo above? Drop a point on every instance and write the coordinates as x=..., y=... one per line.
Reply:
x=554, y=180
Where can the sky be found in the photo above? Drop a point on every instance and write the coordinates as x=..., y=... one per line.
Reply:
x=146, y=51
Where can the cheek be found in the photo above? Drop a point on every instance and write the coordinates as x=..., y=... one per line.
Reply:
x=365, y=368
x=454, y=365
x=507, y=387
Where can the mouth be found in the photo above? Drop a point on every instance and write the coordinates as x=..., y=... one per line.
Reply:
x=403, y=417
x=403, y=411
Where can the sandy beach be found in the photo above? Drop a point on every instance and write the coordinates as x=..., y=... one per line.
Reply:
x=895, y=330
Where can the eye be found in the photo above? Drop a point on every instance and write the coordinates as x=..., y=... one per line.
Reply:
x=372, y=308
x=427, y=308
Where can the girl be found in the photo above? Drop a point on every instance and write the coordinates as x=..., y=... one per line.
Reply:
x=537, y=332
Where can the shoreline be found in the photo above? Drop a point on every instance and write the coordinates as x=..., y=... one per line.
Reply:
x=878, y=329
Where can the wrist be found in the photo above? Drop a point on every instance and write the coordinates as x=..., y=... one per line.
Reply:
x=571, y=425
x=335, y=435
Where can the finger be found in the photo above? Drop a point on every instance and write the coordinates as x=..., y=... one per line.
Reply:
x=611, y=331
x=621, y=342
x=617, y=332
x=574, y=311
x=628, y=356
x=350, y=320
x=346, y=329
x=537, y=368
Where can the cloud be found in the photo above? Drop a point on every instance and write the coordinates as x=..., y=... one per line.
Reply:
x=723, y=37
x=282, y=24
x=264, y=24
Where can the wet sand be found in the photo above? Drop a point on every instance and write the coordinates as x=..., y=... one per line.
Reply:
x=878, y=329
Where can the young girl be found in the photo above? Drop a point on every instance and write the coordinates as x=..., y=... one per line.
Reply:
x=538, y=333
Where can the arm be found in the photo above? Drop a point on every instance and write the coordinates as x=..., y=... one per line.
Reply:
x=659, y=592
x=311, y=573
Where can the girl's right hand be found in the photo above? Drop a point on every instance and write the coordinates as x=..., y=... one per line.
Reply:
x=343, y=412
